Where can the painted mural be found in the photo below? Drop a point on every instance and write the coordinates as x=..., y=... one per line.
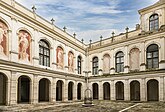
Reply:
x=3, y=38
x=24, y=43
x=70, y=62
x=60, y=58
x=106, y=63
x=134, y=59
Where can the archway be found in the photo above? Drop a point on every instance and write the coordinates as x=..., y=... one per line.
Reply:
x=95, y=91
x=70, y=91
x=152, y=90
x=106, y=91
x=23, y=89
x=3, y=88
x=135, y=91
x=119, y=90
x=79, y=91
x=59, y=90
x=44, y=90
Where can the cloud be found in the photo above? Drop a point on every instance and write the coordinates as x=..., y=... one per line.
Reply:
x=90, y=18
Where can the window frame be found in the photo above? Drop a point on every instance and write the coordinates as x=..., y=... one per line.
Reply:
x=152, y=58
x=95, y=66
x=79, y=64
x=120, y=63
x=154, y=23
x=45, y=54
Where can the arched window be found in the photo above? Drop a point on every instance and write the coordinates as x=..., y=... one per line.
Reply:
x=152, y=56
x=120, y=62
x=44, y=53
x=154, y=22
x=79, y=64
x=95, y=65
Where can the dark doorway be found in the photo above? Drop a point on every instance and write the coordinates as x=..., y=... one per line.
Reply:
x=95, y=91
x=152, y=90
x=79, y=91
x=135, y=91
x=44, y=90
x=70, y=91
x=106, y=91
x=23, y=89
x=59, y=91
x=119, y=91
x=3, y=88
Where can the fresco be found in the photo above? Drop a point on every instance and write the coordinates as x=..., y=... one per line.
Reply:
x=106, y=63
x=3, y=38
x=134, y=59
x=24, y=40
x=71, y=62
x=60, y=58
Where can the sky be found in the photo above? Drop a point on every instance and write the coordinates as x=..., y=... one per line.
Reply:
x=90, y=19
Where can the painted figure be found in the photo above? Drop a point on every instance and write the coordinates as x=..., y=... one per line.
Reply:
x=60, y=59
x=70, y=61
x=3, y=38
x=24, y=46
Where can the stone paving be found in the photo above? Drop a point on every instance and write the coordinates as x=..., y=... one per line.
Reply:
x=99, y=106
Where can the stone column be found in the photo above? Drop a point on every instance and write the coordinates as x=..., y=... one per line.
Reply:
x=66, y=59
x=100, y=90
x=100, y=64
x=65, y=90
x=14, y=41
x=142, y=59
x=126, y=67
x=75, y=92
x=13, y=91
x=31, y=91
x=112, y=90
x=143, y=90
x=53, y=92
x=161, y=89
x=112, y=62
x=54, y=63
x=36, y=89
x=126, y=90
x=162, y=53
x=8, y=84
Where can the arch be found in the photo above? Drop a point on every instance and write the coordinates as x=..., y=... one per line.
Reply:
x=60, y=57
x=47, y=41
x=106, y=91
x=119, y=90
x=119, y=60
x=44, y=90
x=95, y=66
x=4, y=36
x=3, y=89
x=70, y=61
x=154, y=22
x=23, y=89
x=152, y=56
x=95, y=89
x=134, y=59
x=152, y=90
x=59, y=90
x=44, y=53
x=135, y=91
x=24, y=45
x=106, y=63
x=70, y=90
x=79, y=91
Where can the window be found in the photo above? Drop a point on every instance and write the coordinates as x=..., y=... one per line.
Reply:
x=120, y=62
x=44, y=53
x=95, y=65
x=154, y=22
x=152, y=56
x=79, y=64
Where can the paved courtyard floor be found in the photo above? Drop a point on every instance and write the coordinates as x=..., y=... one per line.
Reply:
x=99, y=106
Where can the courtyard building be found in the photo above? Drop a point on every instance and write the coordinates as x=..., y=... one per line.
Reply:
x=40, y=62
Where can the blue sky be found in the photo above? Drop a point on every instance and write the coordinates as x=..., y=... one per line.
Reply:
x=90, y=19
